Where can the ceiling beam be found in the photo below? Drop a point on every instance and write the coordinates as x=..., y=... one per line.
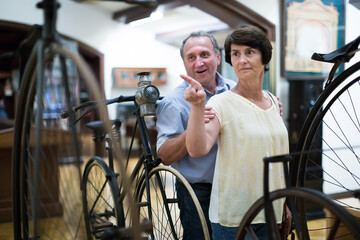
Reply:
x=231, y=12
x=234, y=14
x=139, y=12
x=132, y=14
x=181, y=33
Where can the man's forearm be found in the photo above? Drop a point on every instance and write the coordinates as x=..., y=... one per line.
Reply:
x=173, y=149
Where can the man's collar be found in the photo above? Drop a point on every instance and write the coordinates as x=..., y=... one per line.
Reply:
x=219, y=80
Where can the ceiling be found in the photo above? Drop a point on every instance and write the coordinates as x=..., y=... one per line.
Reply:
x=180, y=17
x=177, y=21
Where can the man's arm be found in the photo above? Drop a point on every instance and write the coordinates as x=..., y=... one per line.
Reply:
x=173, y=149
x=280, y=106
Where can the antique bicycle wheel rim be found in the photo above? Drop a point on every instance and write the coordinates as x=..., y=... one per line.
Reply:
x=329, y=148
x=27, y=79
x=50, y=201
x=165, y=214
x=336, y=223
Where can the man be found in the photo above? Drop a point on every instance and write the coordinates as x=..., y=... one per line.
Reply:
x=201, y=57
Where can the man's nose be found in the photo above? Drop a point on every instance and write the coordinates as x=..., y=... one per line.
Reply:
x=199, y=62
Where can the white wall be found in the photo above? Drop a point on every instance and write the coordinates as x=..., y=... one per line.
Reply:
x=352, y=29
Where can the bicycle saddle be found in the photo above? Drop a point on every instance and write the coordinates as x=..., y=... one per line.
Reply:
x=99, y=126
x=342, y=54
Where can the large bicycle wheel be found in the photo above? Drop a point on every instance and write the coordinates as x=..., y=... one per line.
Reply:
x=337, y=223
x=47, y=162
x=161, y=198
x=329, y=145
x=100, y=198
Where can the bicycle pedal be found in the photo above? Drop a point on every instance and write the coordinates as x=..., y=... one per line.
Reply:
x=100, y=226
x=142, y=204
x=173, y=200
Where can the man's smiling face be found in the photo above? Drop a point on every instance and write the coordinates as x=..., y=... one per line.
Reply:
x=201, y=60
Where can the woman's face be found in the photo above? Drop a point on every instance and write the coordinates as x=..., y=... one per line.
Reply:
x=247, y=62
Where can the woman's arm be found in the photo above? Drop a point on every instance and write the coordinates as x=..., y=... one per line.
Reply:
x=200, y=137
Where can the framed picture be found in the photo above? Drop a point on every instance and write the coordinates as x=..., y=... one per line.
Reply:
x=310, y=26
x=127, y=77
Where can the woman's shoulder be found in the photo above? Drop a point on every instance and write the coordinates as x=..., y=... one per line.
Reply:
x=273, y=99
x=272, y=96
x=222, y=95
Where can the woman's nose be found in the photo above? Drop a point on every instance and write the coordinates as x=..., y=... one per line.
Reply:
x=243, y=59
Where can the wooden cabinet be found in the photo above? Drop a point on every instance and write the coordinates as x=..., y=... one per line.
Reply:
x=6, y=137
x=11, y=36
x=52, y=145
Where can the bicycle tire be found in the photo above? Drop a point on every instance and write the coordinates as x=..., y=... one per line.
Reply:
x=17, y=171
x=165, y=227
x=331, y=133
x=329, y=229
x=100, y=198
x=46, y=154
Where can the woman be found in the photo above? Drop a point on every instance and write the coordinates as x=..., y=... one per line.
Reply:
x=248, y=127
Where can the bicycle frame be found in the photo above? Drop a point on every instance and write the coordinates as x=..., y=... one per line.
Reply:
x=149, y=159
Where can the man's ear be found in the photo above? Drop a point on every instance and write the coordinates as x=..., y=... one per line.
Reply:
x=218, y=56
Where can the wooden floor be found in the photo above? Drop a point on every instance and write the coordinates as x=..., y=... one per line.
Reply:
x=6, y=229
x=56, y=223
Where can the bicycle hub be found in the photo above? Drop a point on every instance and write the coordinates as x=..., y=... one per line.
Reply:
x=146, y=95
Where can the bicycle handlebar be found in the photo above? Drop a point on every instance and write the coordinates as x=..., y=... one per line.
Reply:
x=67, y=113
x=120, y=99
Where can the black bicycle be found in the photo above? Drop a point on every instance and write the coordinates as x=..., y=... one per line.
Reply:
x=329, y=144
x=153, y=186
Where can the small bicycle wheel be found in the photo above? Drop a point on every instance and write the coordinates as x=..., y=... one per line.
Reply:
x=100, y=198
x=336, y=223
x=161, y=198
x=329, y=145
